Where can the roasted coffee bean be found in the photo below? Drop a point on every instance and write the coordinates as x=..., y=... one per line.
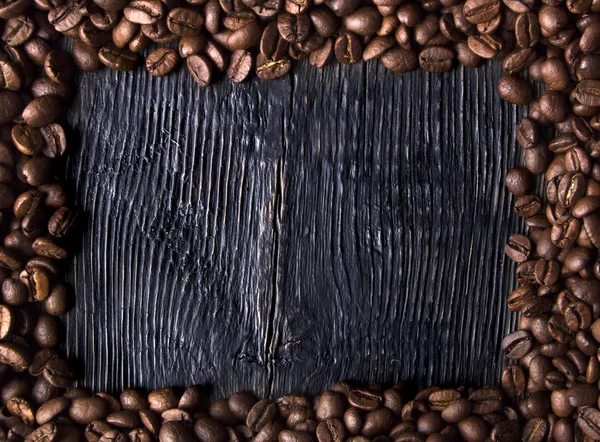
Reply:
x=200, y=68
x=518, y=248
x=588, y=420
x=42, y=111
x=59, y=373
x=347, y=48
x=486, y=46
x=535, y=429
x=332, y=429
x=261, y=414
x=161, y=62
x=85, y=410
x=400, y=60
x=118, y=59
x=436, y=59
x=514, y=90
x=519, y=60
x=517, y=344
x=144, y=12
x=51, y=409
x=486, y=400
x=513, y=381
x=473, y=428
x=364, y=21
x=365, y=399
x=518, y=181
x=207, y=429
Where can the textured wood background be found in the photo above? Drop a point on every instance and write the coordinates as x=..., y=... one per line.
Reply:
x=277, y=237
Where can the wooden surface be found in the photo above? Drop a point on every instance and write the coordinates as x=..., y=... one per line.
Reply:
x=279, y=236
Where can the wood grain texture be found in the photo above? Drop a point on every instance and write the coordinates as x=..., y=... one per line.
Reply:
x=279, y=236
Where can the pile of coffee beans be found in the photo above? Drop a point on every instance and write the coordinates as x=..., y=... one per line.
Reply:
x=346, y=412
x=553, y=394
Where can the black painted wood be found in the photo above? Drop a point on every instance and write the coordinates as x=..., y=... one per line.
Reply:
x=279, y=236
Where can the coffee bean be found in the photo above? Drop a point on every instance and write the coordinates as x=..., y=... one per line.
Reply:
x=144, y=12
x=200, y=68
x=51, y=409
x=58, y=372
x=514, y=90
x=517, y=344
x=161, y=62
x=348, y=48
x=268, y=69
x=588, y=420
x=518, y=248
x=513, y=381
x=260, y=414
x=400, y=60
x=174, y=432
x=485, y=46
x=436, y=59
x=365, y=399
x=85, y=410
x=519, y=60
x=364, y=21
x=486, y=400
x=118, y=59
x=473, y=429
x=209, y=430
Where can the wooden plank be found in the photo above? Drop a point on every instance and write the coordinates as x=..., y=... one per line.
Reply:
x=280, y=236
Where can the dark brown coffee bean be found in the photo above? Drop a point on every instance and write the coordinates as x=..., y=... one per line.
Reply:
x=118, y=59
x=330, y=430
x=247, y=36
x=65, y=17
x=260, y=414
x=268, y=69
x=51, y=409
x=365, y=399
x=364, y=21
x=54, y=140
x=59, y=373
x=479, y=11
x=536, y=430
x=486, y=46
x=519, y=60
x=400, y=60
x=42, y=111
x=59, y=67
x=513, y=381
x=144, y=12
x=323, y=20
x=486, y=400
x=514, y=90
x=473, y=429
x=161, y=62
x=200, y=68
x=174, y=432
x=554, y=106
x=588, y=420
x=185, y=22
x=378, y=422
x=191, y=45
x=517, y=344
x=436, y=59
x=85, y=410
x=348, y=48
x=518, y=248
x=209, y=430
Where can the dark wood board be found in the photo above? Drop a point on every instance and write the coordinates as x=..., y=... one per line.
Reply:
x=279, y=236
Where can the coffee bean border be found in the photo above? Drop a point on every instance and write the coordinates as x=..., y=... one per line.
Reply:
x=551, y=395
